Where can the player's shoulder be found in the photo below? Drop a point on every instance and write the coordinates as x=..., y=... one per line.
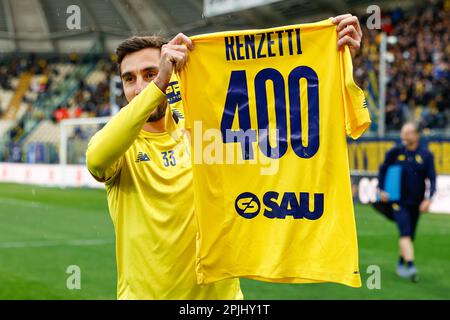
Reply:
x=396, y=150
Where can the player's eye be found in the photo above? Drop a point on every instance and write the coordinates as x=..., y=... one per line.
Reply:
x=150, y=76
x=128, y=79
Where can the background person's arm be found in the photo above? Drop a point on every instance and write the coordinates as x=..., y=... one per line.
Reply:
x=431, y=175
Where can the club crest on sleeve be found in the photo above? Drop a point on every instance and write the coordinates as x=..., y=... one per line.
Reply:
x=173, y=92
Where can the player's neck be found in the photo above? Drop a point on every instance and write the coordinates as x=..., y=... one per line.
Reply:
x=156, y=126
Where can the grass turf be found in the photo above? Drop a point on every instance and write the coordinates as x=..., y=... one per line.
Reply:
x=45, y=230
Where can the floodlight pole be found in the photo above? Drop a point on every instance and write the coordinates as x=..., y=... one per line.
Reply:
x=382, y=86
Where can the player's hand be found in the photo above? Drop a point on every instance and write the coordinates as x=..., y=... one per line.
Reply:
x=425, y=205
x=173, y=57
x=384, y=196
x=349, y=32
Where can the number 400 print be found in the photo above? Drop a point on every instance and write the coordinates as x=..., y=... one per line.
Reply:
x=237, y=98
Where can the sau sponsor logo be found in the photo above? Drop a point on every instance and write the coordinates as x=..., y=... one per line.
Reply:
x=247, y=205
x=279, y=205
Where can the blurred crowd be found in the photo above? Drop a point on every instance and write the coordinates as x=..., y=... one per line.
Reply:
x=418, y=71
x=88, y=100
x=93, y=100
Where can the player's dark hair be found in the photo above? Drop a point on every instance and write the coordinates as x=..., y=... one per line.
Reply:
x=137, y=43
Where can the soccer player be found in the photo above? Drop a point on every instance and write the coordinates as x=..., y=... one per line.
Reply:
x=148, y=180
x=417, y=165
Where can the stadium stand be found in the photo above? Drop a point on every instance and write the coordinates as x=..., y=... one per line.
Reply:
x=39, y=90
x=419, y=74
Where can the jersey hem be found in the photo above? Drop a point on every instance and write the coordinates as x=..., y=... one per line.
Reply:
x=352, y=281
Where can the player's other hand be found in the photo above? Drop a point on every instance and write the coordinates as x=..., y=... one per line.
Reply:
x=173, y=57
x=349, y=32
x=425, y=205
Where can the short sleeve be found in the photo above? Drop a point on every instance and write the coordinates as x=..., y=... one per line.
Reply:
x=357, y=117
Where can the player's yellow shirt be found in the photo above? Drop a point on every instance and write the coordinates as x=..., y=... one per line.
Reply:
x=273, y=207
x=148, y=179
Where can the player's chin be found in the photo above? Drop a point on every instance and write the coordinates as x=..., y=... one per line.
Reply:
x=159, y=113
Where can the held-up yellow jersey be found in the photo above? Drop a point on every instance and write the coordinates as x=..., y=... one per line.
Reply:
x=269, y=111
x=148, y=179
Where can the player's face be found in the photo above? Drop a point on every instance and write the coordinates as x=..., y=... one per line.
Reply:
x=138, y=69
x=409, y=135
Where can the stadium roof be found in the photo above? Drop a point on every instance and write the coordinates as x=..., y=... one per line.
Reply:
x=41, y=25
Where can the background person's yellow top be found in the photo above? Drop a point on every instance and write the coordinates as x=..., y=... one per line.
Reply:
x=148, y=180
x=285, y=214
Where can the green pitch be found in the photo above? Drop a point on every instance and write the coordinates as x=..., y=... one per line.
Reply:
x=43, y=231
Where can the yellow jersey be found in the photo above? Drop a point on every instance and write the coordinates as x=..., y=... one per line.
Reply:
x=268, y=112
x=148, y=178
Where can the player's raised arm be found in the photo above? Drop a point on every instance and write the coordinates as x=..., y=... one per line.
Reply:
x=146, y=65
x=110, y=143
x=349, y=32
x=173, y=58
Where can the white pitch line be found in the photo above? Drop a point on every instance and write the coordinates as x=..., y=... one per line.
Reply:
x=25, y=203
x=53, y=243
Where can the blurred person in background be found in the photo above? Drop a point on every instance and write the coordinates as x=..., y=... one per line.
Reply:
x=417, y=165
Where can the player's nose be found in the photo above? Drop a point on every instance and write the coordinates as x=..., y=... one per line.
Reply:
x=140, y=85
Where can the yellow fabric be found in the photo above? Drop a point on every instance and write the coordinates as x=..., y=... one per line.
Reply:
x=148, y=179
x=290, y=244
